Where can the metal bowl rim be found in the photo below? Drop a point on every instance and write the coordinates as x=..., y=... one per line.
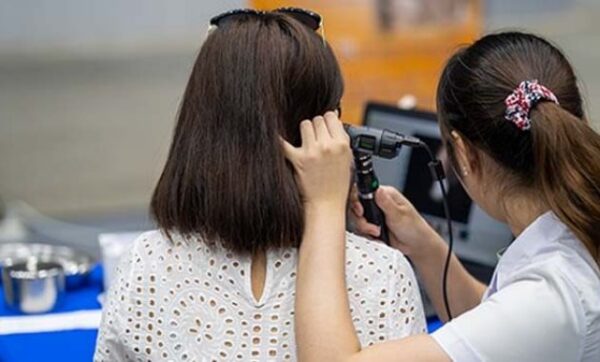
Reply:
x=74, y=262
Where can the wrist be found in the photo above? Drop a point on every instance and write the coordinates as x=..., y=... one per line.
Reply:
x=429, y=247
x=323, y=221
x=327, y=215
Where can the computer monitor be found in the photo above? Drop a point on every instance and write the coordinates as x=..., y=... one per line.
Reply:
x=477, y=236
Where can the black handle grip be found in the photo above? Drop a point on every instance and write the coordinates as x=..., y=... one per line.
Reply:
x=375, y=216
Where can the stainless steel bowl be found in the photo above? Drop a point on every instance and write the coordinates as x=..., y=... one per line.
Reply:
x=76, y=265
x=33, y=286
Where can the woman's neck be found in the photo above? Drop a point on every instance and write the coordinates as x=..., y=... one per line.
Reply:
x=522, y=210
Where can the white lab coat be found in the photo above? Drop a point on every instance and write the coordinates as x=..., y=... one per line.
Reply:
x=543, y=303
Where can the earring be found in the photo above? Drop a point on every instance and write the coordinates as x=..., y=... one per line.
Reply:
x=464, y=171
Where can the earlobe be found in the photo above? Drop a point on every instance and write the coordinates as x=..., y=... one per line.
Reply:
x=460, y=151
x=455, y=136
x=466, y=155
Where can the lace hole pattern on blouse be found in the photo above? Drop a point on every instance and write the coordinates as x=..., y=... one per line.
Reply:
x=186, y=301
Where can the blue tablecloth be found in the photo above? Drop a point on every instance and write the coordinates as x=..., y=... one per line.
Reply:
x=74, y=345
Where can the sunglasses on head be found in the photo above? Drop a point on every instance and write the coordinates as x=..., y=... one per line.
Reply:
x=306, y=17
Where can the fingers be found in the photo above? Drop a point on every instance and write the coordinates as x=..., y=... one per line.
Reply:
x=383, y=200
x=307, y=132
x=321, y=130
x=363, y=227
x=390, y=194
x=353, y=197
x=335, y=126
x=357, y=208
x=291, y=152
x=391, y=202
x=322, y=163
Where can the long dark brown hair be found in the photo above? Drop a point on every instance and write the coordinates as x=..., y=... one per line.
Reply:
x=226, y=178
x=560, y=156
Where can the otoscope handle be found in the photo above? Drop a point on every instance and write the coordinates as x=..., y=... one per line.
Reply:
x=367, y=185
x=374, y=215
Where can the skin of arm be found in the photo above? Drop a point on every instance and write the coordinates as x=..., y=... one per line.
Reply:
x=324, y=329
x=464, y=291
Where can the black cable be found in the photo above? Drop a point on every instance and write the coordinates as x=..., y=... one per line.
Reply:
x=437, y=172
x=450, y=245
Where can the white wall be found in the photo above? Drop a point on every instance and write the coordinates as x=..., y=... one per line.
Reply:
x=99, y=26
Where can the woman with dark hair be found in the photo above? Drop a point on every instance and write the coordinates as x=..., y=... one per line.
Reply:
x=512, y=119
x=217, y=282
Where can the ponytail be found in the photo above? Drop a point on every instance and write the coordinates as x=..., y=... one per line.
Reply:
x=515, y=97
x=566, y=160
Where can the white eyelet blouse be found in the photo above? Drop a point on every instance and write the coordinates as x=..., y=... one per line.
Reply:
x=184, y=301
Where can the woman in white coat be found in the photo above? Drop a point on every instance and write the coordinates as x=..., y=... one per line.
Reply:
x=511, y=116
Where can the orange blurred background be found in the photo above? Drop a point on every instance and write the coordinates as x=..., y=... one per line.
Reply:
x=391, y=48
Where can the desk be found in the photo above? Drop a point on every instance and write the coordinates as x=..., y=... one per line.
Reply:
x=72, y=345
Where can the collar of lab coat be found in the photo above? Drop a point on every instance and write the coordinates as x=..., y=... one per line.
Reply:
x=541, y=235
x=545, y=235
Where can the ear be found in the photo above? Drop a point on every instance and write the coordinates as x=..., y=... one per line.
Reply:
x=466, y=155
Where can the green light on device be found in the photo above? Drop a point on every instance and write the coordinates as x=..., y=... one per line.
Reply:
x=375, y=184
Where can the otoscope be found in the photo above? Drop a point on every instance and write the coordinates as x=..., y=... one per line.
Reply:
x=367, y=185
x=368, y=141
x=365, y=142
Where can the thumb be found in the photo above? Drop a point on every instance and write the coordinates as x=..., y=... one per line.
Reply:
x=395, y=195
x=390, y=200
x=291, y=153
x=384, y=201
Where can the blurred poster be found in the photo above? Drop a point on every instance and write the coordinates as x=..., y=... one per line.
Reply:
x=402, y=14
x=391, y=48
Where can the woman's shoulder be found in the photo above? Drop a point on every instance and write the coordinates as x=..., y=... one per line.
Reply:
x=143, y=252
x=149, y=242
x=375, y=257
x=156, y=245
x=384, y=295
x=154, y=252
x=367, y=259
x=144, y=248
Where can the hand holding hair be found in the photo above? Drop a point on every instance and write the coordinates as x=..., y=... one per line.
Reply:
x=322, y=162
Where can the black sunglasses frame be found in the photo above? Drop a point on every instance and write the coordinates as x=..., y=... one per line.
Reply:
x=301, y=15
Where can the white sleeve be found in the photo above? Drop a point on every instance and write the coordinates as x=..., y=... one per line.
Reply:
x=406, y=315
x=109, y=345
x=536, y=318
